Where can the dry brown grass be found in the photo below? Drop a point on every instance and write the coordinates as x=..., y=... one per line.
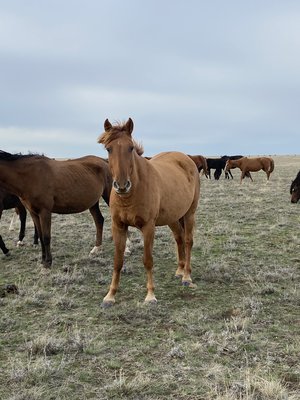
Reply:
x=236, y=336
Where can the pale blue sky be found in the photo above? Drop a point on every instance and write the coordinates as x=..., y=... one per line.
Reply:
x=203, y=77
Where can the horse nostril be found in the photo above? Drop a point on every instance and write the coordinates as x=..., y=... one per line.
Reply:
x=115, y=185
x=128, y=185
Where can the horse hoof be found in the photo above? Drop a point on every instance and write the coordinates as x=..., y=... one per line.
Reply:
x=46, y=264
x=107, y=304
x=95, y=250
x=189, y=284
x=127, y=252
x=178, y=276
x=20, y=243
x=7, y=254
x=151, y=302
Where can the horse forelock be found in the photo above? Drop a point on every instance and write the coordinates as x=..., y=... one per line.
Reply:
x=116, y=132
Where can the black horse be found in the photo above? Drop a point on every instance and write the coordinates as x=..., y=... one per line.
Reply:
x=7, y=201
x=295, y=189
x=218, y=164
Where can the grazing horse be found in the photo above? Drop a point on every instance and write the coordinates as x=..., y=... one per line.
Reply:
x=147, y=193
x=7, y=201
x=201, y=163
x=246, y=165
x=48, y=186
x=295, y=189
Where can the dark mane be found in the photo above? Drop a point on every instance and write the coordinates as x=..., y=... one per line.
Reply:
x=115, y=132
x=5, y=156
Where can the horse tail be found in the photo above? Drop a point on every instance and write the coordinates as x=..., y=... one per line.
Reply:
x=271, y=165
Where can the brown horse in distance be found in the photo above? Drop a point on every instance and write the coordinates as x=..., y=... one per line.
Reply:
x=201, y=163
x=146, y=193
x=48, y=186
x=247, y=165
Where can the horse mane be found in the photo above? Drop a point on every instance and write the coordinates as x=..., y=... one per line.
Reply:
x=5, y=156
x=115, y=132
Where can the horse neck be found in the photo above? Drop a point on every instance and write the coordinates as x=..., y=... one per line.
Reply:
x=139, y=171
x=11, y=177
x=237, y=163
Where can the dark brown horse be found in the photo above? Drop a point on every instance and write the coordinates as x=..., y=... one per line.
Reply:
x=48, y=186
x=246, y=165
x=161, y=191
x=8, y=201
x=295, y=189
x=201, y=163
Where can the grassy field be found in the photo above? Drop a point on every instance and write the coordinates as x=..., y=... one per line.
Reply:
x=235, y=336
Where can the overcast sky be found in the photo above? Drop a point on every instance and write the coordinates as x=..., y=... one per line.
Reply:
x=203, y=77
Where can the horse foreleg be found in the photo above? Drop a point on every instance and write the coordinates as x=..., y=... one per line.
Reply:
x=37, y=224
x=42, y=221
x=99, y=221
x=119, y=238
x=148, y=234
x=22, y=216
x=45, y=220
x=178, y=232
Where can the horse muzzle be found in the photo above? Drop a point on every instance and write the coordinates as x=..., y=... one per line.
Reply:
x=122, y=189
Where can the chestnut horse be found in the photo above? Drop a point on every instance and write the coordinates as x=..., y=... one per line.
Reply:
x=48, y=186
x=246, y=165
x=7, y=201
x=147, y=193
x=201, y=163
x=295, y=189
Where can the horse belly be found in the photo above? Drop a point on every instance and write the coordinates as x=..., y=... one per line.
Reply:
x=174, y=205
x=74, y=204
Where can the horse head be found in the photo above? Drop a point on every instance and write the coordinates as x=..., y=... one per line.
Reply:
x=229, y=165
x=121, y=150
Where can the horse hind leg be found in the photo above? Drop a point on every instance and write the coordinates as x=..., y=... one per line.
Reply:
x=178, y=231
x=189, y=222
x=99, y=222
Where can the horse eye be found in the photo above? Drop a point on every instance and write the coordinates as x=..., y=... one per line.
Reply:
x=131, y=149
x=108, y=149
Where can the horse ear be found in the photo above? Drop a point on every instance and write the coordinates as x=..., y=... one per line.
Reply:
x=129, y=126
x=107, y=125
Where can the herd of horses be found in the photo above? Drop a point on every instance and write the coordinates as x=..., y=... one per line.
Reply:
x=142, y=192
